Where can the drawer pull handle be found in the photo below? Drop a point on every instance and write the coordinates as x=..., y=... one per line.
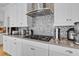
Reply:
x=69, y=51
x=32, y=49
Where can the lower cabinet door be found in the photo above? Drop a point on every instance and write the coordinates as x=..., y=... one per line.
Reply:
x=19, y=47
x=41, y=51
x=34, y=49
x=13, y=51
x=11, y=46
x=28, y=50
x=1, y=39
x=55, y=50
x=55, y=53
x=5, y=44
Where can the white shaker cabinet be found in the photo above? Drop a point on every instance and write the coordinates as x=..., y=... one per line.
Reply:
x=9, y=45
x=24, y=16
x=75, y=12
x=5, y=43
x=63, y=14
x=18, y=17
x=10, y=15
x=16, y=46
x=28, y=50
x=29, y=47
x=16, y=14
x=34, y=48
x=55, y=50
x=12, y=45
x=19, y=46
x=41, y=51
x=1, y=39
x=21, y=16
x=6, y=16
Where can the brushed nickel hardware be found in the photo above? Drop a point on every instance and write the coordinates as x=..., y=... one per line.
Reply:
x=32, y=49
x=69, y=51
x=68, y=19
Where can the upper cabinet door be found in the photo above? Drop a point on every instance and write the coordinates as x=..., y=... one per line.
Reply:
x=15, y=15
x=21, y=14
x=59, y=14
x=6, y=16
x=69, y=19
x=63, y=14
x=75, y=12
x=12, y=16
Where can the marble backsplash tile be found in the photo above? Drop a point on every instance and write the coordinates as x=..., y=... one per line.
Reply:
x=44, y=25
x=63, y=30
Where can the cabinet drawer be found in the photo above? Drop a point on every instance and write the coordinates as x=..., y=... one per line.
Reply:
x=28, y=50
x=64, y=50
x=36, y=43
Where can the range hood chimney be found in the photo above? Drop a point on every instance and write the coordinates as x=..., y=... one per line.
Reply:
x=41, y=5
x=40, y=9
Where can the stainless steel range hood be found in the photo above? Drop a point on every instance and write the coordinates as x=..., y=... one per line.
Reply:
x=40, y=10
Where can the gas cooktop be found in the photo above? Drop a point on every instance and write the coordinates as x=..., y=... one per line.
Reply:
x=40, y=37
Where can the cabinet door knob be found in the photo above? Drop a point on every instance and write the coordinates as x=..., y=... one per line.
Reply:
x=68, y=19
x=69, y=51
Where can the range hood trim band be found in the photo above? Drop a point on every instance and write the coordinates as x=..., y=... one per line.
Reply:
x=40, y=12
